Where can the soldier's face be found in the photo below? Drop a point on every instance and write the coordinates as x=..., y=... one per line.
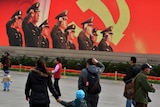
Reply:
x=36, y=17
x=147, y=70
x=45, y=31
x=71, y=35
x=94, y=38
x=64, y=23
x=109, y=37
x=18, y=23
x=89, y=29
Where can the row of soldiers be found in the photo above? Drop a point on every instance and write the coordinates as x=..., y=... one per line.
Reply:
x=62, y=34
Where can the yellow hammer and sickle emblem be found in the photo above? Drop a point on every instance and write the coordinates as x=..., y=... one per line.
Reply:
x=98, y=7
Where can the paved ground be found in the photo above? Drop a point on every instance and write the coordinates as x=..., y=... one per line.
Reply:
x=111, y=95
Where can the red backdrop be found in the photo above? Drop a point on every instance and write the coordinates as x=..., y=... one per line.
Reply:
x=141, y=34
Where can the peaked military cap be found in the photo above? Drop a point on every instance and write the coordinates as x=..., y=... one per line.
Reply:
x=64, y=13
x=35, y=7
x=90, y=20
x=109, y=30
x=94, y=31
x=71, y=27
x=44, y=24
x=18, y=14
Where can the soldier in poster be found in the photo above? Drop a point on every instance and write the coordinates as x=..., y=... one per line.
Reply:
x=58, y=33
x=104, y=44
x=44, y=27
x=12, y=28
x=30, y=28
x=70, y=36
x=84, y=37
x=94, y=39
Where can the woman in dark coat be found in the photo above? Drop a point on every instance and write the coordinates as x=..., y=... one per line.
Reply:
x=6, y=62
x=38, y=82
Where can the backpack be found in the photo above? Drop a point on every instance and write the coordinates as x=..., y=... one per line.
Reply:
x=80, y=103
x=129, y=89
x=92, y=83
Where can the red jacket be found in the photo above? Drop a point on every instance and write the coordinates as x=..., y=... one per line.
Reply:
x=58, y=73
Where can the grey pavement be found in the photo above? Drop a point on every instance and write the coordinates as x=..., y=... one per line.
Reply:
x=111, y=95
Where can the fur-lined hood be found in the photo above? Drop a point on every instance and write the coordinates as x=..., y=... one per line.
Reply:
x=39, y=72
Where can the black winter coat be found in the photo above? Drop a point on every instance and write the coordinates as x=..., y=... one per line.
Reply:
x=36, y=87
x=133, y=71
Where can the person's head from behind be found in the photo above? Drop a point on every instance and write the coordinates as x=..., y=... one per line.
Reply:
x=133, y=60
x=89, y=62
x=58, y=60
x=6, y=53
x=41, y=64
x=80, y=94
x=146, y=68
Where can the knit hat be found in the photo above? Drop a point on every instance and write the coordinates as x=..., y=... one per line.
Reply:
x=80, y=94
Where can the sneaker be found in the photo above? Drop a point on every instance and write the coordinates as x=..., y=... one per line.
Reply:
x=4, y=89
x=7, y=89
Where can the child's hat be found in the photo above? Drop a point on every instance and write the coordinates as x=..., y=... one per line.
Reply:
x=80, y=94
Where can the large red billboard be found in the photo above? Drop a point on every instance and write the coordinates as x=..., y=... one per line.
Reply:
x=135, y=23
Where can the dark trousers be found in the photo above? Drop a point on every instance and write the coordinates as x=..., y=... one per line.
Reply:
x=92, y=100
x=140, y=105
x=56, y=85
x=5, y=69
x=39, y=105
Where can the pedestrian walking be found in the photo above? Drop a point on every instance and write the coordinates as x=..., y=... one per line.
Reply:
x=57, y=74
x=6, y=80
x=78, y=102
x=6, y=62
x=93, y=68
x=132, y=72
x=37, y=84
x=143, y=87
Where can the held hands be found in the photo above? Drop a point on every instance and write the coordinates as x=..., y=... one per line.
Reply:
x=58, y=100
x=27, y=98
